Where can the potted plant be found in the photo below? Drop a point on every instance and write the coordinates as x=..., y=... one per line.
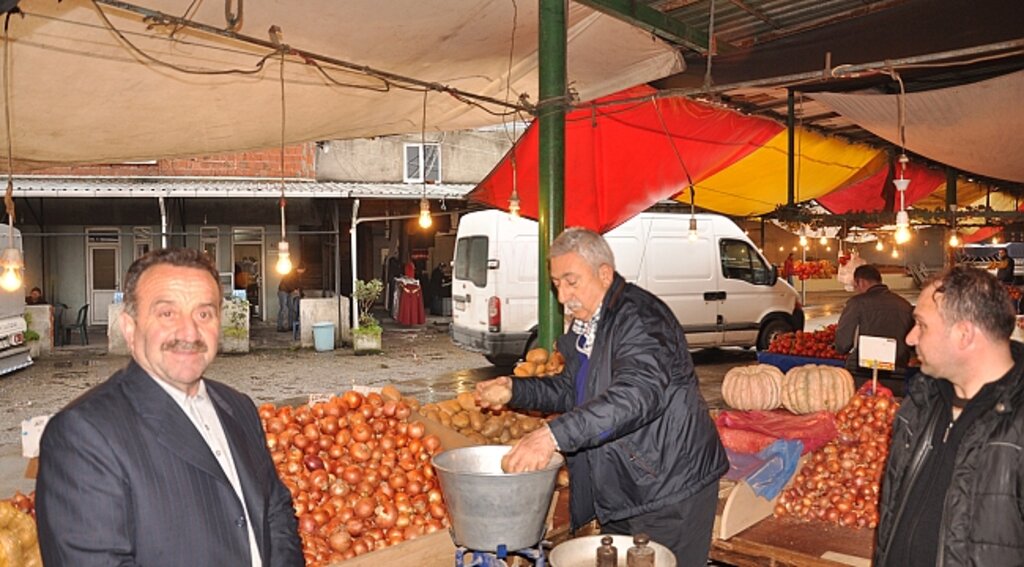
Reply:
x=367, y=338
x=32, y=338
x=234, y=325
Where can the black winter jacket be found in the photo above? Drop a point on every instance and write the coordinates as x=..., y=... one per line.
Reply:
x=983, y=514
x=643, y=438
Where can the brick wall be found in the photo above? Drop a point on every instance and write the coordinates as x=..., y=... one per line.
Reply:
x=299, y=162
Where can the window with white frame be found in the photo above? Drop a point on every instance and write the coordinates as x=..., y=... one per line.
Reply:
x=143, y=237
x=208, y=238
x=422, y=163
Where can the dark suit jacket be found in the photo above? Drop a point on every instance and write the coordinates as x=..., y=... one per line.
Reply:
x=125, y=479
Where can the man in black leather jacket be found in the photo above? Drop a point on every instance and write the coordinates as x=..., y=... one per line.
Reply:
x=953, y=491
x=643, y=453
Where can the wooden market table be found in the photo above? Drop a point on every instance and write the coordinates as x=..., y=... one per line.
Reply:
x=780, y=542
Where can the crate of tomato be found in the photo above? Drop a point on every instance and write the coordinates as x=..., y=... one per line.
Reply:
x=798, y=348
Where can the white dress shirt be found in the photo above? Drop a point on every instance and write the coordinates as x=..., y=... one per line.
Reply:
x=203, y=415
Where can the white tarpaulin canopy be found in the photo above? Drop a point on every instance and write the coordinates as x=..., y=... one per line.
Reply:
x=975, y=127
x=80, y=91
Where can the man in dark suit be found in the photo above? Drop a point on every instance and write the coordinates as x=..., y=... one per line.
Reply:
x=158, y=466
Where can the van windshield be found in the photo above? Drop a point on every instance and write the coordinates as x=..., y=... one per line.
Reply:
x=471, y=260
x=741, y=262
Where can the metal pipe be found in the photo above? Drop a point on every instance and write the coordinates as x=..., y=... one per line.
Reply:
x=352, y=251
x=160, y=17
x=551, y=108
x=163, y=222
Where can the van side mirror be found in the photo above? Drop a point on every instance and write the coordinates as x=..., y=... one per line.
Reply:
x=773, y=275
x=493, y=264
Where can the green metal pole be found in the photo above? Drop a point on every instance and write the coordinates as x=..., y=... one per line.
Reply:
x=551, y=124
x=790, y=150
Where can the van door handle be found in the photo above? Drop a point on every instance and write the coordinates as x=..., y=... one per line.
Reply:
x=461, y=298
x=714, y=296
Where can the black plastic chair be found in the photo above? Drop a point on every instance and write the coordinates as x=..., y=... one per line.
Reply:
x=58, y=323
x=81, y=325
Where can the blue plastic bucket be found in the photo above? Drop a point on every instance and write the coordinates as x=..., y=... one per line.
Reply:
x=323, y=336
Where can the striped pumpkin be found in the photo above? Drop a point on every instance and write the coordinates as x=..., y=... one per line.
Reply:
x=757, y=387
x=816, y=387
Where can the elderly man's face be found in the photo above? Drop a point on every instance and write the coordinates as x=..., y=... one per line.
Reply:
x=580, y=288
x=174, y=332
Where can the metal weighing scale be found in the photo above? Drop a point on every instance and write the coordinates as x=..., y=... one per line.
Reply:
x=495, y=515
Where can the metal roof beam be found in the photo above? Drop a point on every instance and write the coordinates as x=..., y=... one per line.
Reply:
x=647, y=18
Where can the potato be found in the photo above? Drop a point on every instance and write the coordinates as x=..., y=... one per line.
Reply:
x=492, y=426
x=390, y=392
x=450, y=407
x=505, y=437
x=496, y=395
x=529, y=424
x=466, y=400
x=433, y=414
x=479, y=439
x=515, y=430
x=460, y=420
x=446, y=420
x=413, y=403
x=524, y=369
x=476, y=420
x=537, y=356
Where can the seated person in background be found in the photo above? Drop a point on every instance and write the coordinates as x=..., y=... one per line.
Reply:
x=874, y=311
x=35, y=297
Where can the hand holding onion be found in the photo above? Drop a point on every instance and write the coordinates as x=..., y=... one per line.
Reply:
x=493, y=394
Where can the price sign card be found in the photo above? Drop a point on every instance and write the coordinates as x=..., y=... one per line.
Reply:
x=877, y=352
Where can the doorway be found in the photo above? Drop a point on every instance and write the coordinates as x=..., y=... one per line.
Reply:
x=247, y=259
x=103, y=271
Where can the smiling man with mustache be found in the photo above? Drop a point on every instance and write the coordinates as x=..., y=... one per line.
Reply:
x=159, y=466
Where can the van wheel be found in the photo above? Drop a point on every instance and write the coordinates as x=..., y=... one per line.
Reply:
x=501, y=360
x=771, y=329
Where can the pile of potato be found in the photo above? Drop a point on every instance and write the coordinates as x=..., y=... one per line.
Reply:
x=538, y=363
x=482, y=426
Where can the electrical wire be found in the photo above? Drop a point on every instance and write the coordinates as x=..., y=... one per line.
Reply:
x=9, y=193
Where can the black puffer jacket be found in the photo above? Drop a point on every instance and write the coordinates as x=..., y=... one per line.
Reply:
x=642, y=438
x=983, y=514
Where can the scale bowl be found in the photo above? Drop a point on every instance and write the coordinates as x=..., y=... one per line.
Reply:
x=582, y=552
x=489, y=507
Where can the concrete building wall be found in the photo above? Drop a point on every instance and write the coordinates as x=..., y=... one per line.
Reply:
x=466, y=156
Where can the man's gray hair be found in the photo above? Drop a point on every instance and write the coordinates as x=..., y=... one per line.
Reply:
x=591, y=246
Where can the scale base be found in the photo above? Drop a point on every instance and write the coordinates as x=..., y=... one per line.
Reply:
x=470, y=558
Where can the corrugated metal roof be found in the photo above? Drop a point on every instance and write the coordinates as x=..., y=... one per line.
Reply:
x=199, y=187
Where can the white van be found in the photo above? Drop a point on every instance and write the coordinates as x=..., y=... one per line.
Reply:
x=719, y=286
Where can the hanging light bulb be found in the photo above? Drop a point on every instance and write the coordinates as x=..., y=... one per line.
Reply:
x=425, y=220
x=902, y=235
x=284, y=260
x=803, y=240
x=895, y=252
x=782, y=248
x=12, y=265
x=953, y=240
x=879, y=246
x=692, y=235
x=513, y=204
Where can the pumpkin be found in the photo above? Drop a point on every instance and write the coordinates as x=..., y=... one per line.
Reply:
x=816, y=387
x=757, y=387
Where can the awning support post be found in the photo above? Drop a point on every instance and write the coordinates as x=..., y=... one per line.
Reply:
x=551, y=192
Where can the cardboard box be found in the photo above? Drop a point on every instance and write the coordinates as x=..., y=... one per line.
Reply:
x=31, y=431
x=32, y=469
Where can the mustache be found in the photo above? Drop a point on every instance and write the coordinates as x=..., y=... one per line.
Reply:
x=184, y=346
x=574, y=305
